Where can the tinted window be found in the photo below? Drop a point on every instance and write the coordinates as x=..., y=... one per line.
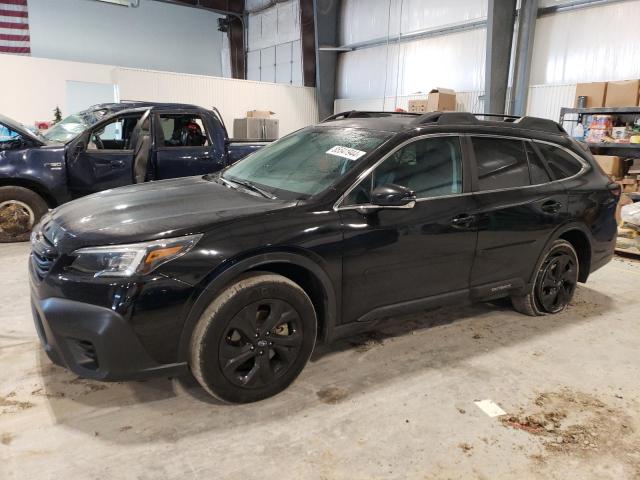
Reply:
x=183, y=131
x=431, y=168
x=501, y=163
x=561, y=163
x=536, y=168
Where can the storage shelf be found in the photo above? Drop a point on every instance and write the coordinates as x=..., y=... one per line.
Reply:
x=614, y=145
x=599, y=110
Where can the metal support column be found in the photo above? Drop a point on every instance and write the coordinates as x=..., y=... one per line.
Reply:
x=326, y=14
x=524, y=53
x=500, y=20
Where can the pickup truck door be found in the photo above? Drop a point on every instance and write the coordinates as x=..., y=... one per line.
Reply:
x=184, y=146
x=102, y=157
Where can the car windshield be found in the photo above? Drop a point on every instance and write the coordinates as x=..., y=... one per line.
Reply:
x=73, y=125
x=308, y=161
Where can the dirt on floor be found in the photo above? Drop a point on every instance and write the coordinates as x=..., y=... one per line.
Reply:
x=578, y=424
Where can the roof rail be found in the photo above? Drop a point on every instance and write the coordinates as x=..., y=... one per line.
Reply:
x=466, y=118
x=366, y=114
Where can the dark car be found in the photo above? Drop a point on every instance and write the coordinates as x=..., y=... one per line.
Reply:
x=236, y=276
x=106, y=146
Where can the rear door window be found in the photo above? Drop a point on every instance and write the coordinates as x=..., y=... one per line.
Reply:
x=183, y=130
x=501, y=163
x=561, y=163
x=537, y=170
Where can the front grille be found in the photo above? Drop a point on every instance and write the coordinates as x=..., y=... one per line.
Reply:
x=43, y=255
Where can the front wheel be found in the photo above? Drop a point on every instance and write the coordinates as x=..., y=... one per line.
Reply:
x=20, y=210
x=254, y=339
x=555, y=282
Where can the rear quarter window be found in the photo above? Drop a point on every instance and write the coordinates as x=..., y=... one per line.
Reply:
x=561, y=163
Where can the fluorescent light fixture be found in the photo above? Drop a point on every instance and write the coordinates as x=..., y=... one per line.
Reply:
x=124, y=3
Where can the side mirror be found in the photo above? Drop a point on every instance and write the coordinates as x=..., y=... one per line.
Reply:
x=393, y=196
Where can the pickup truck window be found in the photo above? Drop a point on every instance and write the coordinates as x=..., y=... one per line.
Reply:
x=308, y=161
x=183, y=130
x=115, y=135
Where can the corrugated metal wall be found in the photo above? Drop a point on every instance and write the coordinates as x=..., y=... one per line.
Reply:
x=597, y=43
x=295, y=107
x=465, y=102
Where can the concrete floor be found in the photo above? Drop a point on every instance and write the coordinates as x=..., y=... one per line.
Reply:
x=397, y=404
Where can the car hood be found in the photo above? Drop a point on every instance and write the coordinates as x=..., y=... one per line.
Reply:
x=163, y=209
x=21, y=129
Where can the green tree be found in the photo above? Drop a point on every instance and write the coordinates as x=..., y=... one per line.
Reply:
x=57, y=115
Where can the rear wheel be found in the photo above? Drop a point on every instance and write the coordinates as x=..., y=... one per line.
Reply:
x=254, y=339
x=555, y=282
x=20, y=210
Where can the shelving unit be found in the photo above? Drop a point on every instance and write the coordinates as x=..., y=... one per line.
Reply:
x=626, y=150
x=623, y=150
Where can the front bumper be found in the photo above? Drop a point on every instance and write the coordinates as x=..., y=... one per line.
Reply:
x=94, y=342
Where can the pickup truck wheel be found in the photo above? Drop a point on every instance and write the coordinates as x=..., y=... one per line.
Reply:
x=20, y=210
x=555, y=282
x=254, y=339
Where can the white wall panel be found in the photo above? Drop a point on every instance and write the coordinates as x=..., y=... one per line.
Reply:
x=295, y=107
x=368, y=19
x=546, y=100
x=590, y=44
x=37, y=85
x=452, y=61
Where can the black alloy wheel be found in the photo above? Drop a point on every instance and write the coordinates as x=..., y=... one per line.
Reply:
x=254, y=338
x=557, y=282
x=261, y=343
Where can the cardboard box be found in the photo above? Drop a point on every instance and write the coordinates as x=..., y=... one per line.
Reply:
x=418, y=106
x=259, y=114
x=611, y=165
x=622, y=94
x=594, y=91
x=441, y=100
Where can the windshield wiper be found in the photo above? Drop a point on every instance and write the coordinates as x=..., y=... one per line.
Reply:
x=249, y=186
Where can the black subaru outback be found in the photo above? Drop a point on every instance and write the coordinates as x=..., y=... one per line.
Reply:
x=236, y=276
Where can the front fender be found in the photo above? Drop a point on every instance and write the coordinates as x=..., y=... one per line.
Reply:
x=41, y=168
x=224, y=274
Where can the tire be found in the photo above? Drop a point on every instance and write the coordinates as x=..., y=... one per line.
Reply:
x=554, y=284
x=254, y=339
x=20, y=210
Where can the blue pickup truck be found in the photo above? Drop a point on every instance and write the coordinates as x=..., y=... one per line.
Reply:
x=103, y=147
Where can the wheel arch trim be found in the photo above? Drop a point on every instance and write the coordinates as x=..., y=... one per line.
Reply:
x=557, y=234
x=236, y=268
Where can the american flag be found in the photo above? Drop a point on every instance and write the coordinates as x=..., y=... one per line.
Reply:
x=14, y=27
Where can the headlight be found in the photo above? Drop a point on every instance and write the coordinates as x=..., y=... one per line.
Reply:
x=133, y=259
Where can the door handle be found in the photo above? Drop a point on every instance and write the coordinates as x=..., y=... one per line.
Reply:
x=551, y=206
x=463, y=221
x=116, y=163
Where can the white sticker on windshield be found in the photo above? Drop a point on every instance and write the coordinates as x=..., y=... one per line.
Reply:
x=346, y=152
